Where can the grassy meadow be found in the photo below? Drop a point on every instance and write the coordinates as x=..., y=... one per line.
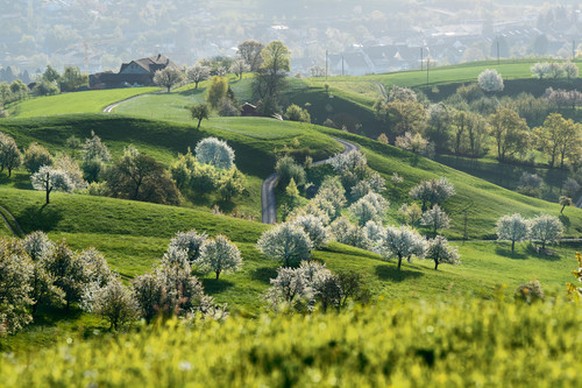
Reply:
x=134, y=235
x=458, y=326
x=92, y=101
x=365, y=89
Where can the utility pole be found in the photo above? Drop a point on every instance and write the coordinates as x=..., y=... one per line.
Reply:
x=497, y=44
x=342, y=65
x=421, y=59
x=427, y=69
x=573, y=50
x=326, y=54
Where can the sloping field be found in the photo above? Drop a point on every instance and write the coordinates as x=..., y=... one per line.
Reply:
x=92, y=101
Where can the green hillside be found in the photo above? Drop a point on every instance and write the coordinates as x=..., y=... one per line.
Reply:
x=133, y=235
x=364, y=89
x=483, y=202
x=255, y=141
x=79, y=102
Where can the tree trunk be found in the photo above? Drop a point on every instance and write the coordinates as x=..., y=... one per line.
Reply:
x=399, y=262
x=217, y=274
x=47, y=187
x=512, y=245
x=196, y=84
x=199, y=122
x=562, y=209
x=436, y=265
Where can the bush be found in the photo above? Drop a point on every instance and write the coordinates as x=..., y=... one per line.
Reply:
x=433, y=192
x=513, y=228
x=287, y=243
x=10, y=157
x=288, y=169
x=440, y=252
x=402, y=242
x=116, y=304
x=16, y=273
x=171, y=290
x=314, y=227
x=435, y=219
x=46, y=88
x=231, y=183
x=228, y=108
x=490, y=81
x=343, y=231
x=36, y=156
x=215, y=152
x=545, y=229
x=412, y=142
x=298, y=288
x=370, y=207
x=220, y=255
x=190, y=242
x=530, y=184
x=296, y=113
x=141, y=178
x=530, y=292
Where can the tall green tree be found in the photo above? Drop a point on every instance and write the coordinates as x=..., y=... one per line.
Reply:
x=217, y=91
x=199, y=112
x=139, y=177
x=250, y=52
x=511, y=133
x=558, y=138
x=270, y=77
x=72, y=79
x=168, y=78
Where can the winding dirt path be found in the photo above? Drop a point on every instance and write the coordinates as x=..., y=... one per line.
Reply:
x=268, y=200
x=110, y=108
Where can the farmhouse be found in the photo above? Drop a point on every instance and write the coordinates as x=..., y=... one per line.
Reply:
x=139, y=72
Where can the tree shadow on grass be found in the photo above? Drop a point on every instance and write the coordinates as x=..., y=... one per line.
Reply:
x=42, y=218
x=565, y=220
x=19, y=181
x=264, y=274
x=50, y=316
x=214, y=286
x=506, y=252
x=545, y=254
x=192, y=92
x=226, y=206
x=388, y=272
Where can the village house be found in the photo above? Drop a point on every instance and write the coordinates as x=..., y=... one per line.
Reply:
x=135, y=73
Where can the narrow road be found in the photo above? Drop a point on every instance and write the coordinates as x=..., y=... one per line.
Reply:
x=110, y=108
x=268, y=200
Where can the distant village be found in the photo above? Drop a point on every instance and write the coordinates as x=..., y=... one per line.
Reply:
x=320, y=46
